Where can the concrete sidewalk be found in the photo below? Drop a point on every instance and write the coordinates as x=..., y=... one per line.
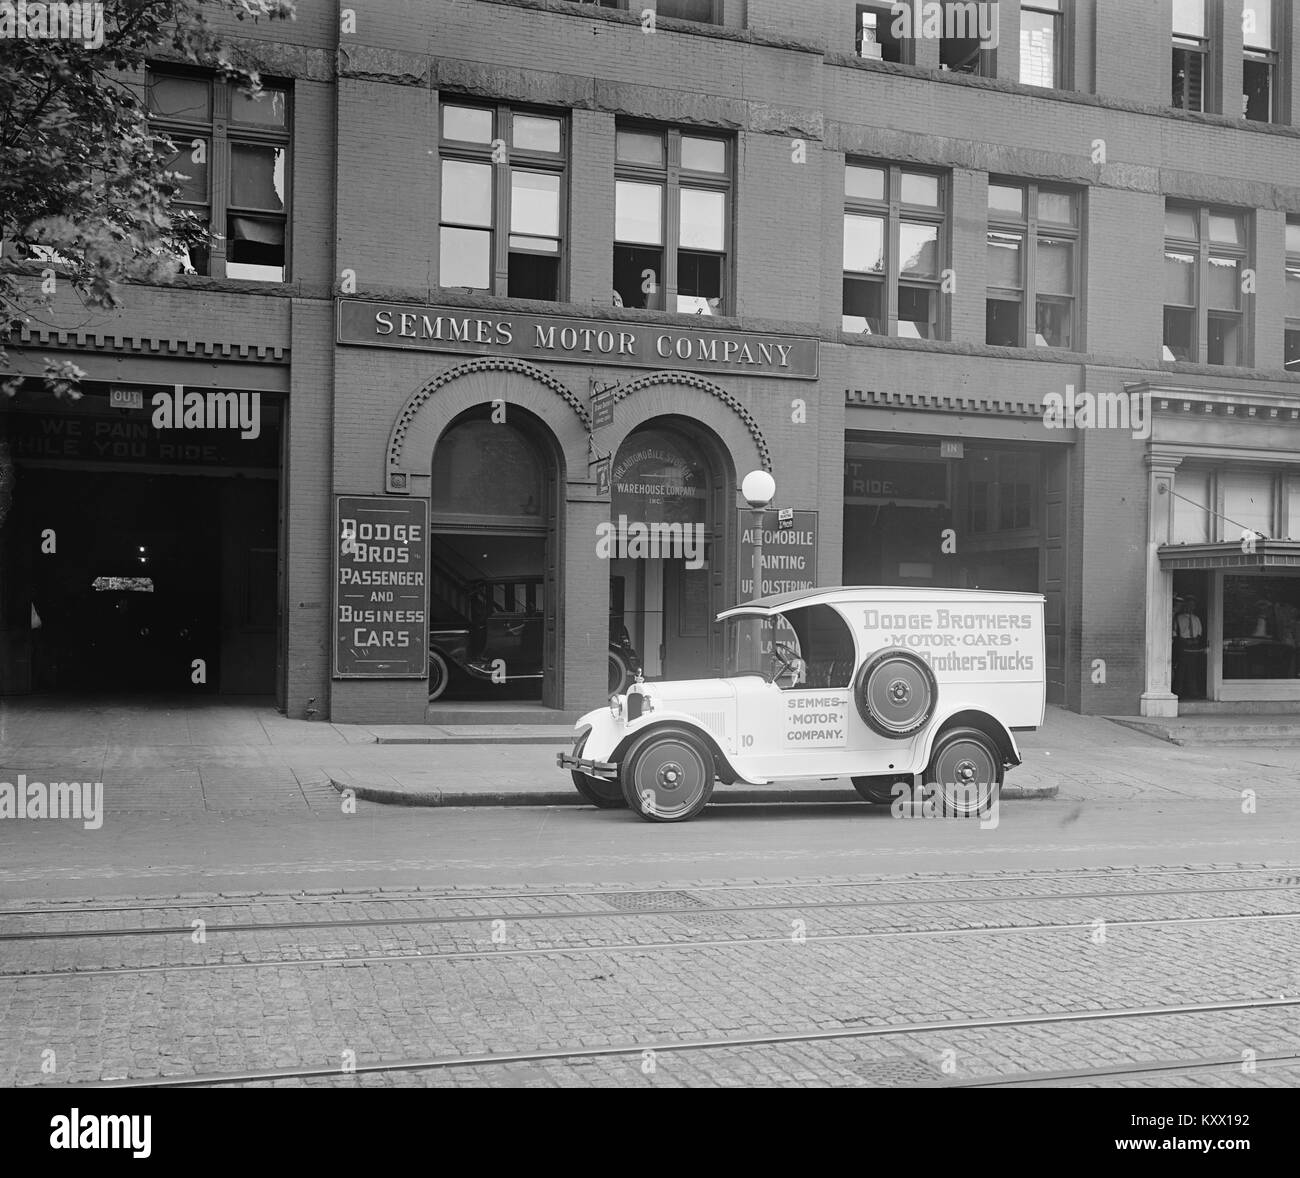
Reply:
x=241, y=755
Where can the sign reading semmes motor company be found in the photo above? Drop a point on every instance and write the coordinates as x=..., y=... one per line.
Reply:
x=582, y=341
x=380, y=589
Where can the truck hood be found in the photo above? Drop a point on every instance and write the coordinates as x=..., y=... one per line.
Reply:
x=672, y=692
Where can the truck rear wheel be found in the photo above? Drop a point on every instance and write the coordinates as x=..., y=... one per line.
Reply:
x=606, y=795
x=896, y=693
x=966, y=767
x=667, y=775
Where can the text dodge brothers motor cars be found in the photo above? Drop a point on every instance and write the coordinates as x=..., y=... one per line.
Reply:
x=876, y=684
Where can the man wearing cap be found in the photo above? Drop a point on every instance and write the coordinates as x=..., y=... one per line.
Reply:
x=1188, y=648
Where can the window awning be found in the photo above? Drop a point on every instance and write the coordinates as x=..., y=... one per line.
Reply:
x=1229, y=554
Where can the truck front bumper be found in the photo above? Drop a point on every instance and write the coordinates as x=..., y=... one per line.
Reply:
x=606, y=769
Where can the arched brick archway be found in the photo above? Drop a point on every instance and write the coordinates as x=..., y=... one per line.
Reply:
x=427, y=412
x=582, y=592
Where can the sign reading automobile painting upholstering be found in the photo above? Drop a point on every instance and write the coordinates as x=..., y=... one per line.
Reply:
x=582, y=341
x=380, y=590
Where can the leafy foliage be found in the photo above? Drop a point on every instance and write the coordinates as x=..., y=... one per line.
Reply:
x=85, y=185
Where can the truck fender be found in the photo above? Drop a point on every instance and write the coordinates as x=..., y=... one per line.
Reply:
x=986, y=723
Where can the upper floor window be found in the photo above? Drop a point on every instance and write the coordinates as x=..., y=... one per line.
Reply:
x=894, y=222
x=1205, y=254
x=1293, y=296
x=1041, y=42
x=1259, y=72
x=968, y=36
x=1033, y=266
x=708, y=12
x=1191, y=54
x=672, y=220
x=220, y=131
x=877, y=32
x=501, y=220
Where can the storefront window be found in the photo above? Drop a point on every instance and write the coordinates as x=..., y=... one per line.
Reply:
x=487, y=469
x=1192, y=508
x=1261, y=627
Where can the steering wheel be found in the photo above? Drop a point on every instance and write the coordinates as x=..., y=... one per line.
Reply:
x=790, y=661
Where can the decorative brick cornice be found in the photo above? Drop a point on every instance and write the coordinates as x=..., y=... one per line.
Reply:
x=707, y=386
x=944, y=403
x=1222, y=404
x=146, y=345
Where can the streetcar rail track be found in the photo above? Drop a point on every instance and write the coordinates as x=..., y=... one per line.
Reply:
x=1289, y=873
x=631, y=947
x=615, y=913
x=712, y=1043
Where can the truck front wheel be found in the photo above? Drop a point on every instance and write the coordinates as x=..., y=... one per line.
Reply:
x=667, y=775
x=605, y=795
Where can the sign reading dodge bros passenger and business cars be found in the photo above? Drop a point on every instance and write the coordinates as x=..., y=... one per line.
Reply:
x=380, y=588
x=582, y=341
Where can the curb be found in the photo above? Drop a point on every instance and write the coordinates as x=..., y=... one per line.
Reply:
x=388, y=796
x=563, y=739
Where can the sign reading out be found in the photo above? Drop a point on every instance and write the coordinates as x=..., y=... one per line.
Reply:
x=380, y=588
x=580, y=341
x=789, y=554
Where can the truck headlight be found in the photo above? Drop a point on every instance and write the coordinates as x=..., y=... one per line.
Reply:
x=616, y=706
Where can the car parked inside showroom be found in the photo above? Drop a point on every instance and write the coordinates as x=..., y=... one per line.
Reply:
x=501, y=642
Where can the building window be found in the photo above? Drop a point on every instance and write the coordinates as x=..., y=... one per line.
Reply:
x=876, y=30
x=707, y=12
x=501, y=225
x=1033, y=266
x=1041, y=43
x=1002, y=491
x=1259, y=71
x=672, y=222
x=894, y=249
x=219, y=131
x=1293, y=296
x=968, y=38
x=1191, y=55
x=1205, y=254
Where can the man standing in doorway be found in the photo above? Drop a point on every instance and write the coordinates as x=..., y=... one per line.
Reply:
x=1188, y=649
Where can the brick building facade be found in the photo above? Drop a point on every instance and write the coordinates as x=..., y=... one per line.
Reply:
x=950, y=249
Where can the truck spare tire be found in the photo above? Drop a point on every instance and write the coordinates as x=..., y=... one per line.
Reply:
x=896, y=693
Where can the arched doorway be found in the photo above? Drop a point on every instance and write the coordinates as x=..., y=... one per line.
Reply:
x=668, y=524
x=493, y=558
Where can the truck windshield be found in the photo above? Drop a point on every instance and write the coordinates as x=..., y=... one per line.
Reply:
x=749, y=645
x=807, y=646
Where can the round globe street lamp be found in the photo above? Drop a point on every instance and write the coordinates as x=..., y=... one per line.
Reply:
x=759, y=489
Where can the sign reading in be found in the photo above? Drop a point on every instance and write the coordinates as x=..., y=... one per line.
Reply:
x=789, y=554
x=581, y=341
x=380, y=588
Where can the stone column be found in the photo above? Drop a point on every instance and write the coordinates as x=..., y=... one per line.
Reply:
x=1158, y=699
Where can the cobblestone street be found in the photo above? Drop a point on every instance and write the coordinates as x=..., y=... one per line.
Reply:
x=1101, y=944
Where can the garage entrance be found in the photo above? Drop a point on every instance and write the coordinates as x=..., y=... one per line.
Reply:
x=136, y=558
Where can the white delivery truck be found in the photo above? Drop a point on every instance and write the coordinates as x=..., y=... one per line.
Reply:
x=877, y=684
